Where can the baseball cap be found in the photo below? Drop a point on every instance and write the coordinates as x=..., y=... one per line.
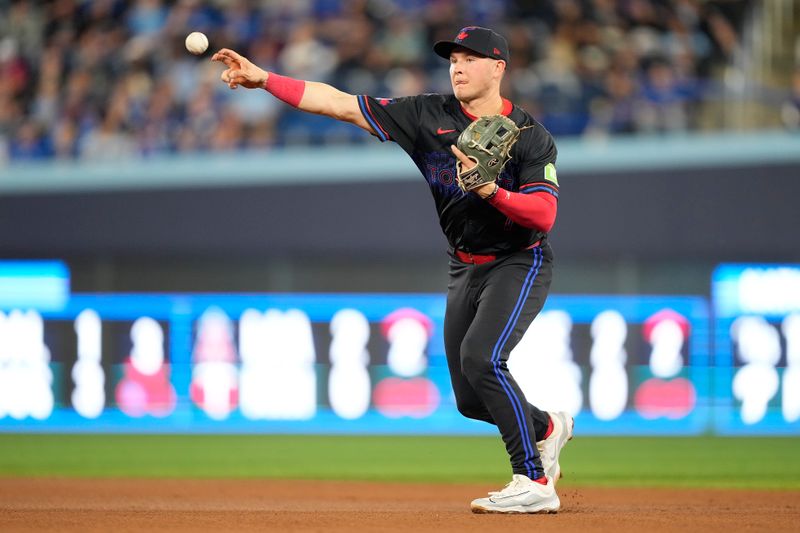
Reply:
x=484, y=41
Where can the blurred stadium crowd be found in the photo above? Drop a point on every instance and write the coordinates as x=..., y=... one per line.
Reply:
x=106, y=79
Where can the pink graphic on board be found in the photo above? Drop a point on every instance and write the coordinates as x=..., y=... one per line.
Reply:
x=656, y=398
x=140, y=394
x=406, y=393
x=215, y=378
x=413, y=397
x=145, y=388
x=666, y=395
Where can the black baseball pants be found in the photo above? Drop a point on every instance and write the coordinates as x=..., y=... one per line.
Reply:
x=489, y=308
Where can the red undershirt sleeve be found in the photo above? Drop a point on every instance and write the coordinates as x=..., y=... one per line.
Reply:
x=535, y=211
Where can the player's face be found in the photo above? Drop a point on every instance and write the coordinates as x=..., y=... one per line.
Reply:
x=472, y=75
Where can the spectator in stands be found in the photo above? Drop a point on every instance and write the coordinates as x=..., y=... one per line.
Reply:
x=790, y=111
x=76, y=83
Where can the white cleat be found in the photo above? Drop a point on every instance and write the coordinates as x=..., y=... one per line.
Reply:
x=520, y=496
x=550, y=448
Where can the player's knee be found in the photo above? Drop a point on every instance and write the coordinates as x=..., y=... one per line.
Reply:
x=475, y=360
x=473, y=410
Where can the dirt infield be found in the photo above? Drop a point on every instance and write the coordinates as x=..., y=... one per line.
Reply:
x=193, y=505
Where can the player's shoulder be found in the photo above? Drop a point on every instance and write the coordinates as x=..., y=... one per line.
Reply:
x=523, y=119
x=534, y=141
x=434, y=101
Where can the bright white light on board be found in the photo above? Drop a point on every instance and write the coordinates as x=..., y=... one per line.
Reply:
x=543, y=364
x=608, y=385
x=791, y=375
x=25, y=375
x=349, y=380
x=89, y=396
x=277, y=378
x=769, y=290
x=756, y=382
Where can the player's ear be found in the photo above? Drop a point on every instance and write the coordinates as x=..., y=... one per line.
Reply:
x=499, y=68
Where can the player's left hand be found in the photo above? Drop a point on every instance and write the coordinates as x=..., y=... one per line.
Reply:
x=467, y=164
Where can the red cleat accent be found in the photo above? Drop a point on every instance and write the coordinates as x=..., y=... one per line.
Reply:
x=549, y=429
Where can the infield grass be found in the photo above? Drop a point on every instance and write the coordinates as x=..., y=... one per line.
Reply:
x=766, y=463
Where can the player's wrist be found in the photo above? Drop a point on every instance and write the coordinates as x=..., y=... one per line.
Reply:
x=284, y=88
x=493, y=193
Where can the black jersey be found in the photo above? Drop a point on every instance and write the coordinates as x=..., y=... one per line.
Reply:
x=425, y=126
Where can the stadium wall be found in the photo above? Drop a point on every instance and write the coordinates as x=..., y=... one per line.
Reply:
x=641, y=199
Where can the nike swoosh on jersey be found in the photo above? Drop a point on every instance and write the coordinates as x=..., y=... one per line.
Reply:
x=440, y=131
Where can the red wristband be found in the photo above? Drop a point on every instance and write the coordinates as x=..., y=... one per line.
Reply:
x=285, y=88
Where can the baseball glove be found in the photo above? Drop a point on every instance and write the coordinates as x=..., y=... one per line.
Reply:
x=487, y=141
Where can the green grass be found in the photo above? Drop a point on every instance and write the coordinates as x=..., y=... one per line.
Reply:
x=691, y=462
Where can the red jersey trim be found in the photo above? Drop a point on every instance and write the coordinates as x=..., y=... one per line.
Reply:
x=508, y=107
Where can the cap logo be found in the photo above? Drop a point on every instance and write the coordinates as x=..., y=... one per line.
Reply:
x=496, y=52
x=461, y=36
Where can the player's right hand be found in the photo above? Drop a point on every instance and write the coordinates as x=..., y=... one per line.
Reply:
x=240, y=70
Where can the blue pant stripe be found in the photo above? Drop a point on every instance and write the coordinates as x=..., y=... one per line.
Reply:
x=526, y=444
x=515, y=403
x=520, y=417
x=536, y=266
x=518, y=306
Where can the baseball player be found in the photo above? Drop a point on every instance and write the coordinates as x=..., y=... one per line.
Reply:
x=500, y=260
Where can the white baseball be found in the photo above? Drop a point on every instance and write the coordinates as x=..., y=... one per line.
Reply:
x=196, y=42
